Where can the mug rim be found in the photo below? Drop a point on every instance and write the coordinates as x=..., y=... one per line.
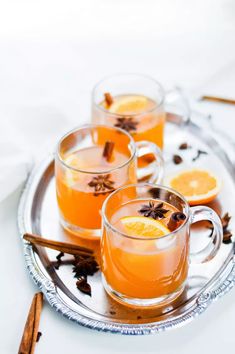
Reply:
x=144, y=184
x=156, y=105
x=90, y=126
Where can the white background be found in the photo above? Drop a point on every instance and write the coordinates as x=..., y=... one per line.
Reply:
x=51, y=54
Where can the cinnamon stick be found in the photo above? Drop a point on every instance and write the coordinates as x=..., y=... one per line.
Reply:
x=57, y=245
x=218, y=99
x=108, y=150
x=30, y=333
x=108, y=99
x=176, y=220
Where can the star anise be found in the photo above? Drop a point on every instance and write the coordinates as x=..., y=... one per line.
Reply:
x=83, y=285
x=153, y=211
x=101, y=183
x=59, y=260
x=126, y=123
x=227, y=234
x=225, y=220
x=83, y=266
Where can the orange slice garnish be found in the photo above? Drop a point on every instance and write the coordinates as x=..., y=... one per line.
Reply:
x=71, y=176
x=197, y=186
x=143, y=227
x=129, y=105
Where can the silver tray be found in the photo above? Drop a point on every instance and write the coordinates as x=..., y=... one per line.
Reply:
x=206, y=282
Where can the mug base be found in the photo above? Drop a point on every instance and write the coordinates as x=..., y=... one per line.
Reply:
x=142, y=303
x=91, y=234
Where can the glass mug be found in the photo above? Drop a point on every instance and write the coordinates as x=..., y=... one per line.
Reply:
x=137, y=106
x=140, y=270
x=85, y=177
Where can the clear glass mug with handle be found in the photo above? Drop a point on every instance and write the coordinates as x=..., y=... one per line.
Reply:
x=145, y=247
x=136, y=103
x=84, y=176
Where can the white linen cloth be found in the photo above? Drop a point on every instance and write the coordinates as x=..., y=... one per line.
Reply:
x=27, y=134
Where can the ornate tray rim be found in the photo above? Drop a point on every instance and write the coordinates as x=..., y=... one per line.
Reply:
x=47, y=286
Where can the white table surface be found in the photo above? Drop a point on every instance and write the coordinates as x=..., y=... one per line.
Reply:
x=51, y=54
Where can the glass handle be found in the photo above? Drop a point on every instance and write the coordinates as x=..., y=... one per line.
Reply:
x=200, y=213
x=154, y=169
x=177, y=104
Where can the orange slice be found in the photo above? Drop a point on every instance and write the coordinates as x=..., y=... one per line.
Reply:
x=143, y=226
x=71, y=176
x=197, y=186
x=71, y=160
x=129, y=105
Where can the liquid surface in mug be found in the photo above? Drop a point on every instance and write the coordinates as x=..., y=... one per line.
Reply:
x=149, y=264
x=80, y=194
x=146, y=121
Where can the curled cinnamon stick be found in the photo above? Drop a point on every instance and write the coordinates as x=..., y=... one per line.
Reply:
x=176, y=220
x=108, y=99
x=30, y=333
x=108, y=150
x=57, y=245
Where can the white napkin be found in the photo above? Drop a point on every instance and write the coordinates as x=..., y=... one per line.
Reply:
x=221, y=84
x=27, y=133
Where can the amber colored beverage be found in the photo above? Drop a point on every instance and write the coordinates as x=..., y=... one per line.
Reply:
x=145, y=243
x=144, y=126
x=144, y=269
x=135, y=104
x=87, y=171
x=78, y=199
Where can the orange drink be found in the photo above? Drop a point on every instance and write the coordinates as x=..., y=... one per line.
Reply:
x=80, y=197
x=91, y=162
x=153, y=275
x=145, y=243
x=133, y=103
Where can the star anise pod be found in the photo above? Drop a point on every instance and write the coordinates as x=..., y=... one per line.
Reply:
x=59, y=261
x=83, y=285
x=101, y=183
x=225, y=220
x=227, y=234
x=84, y=267
x=126, y=123
x=153, y=211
